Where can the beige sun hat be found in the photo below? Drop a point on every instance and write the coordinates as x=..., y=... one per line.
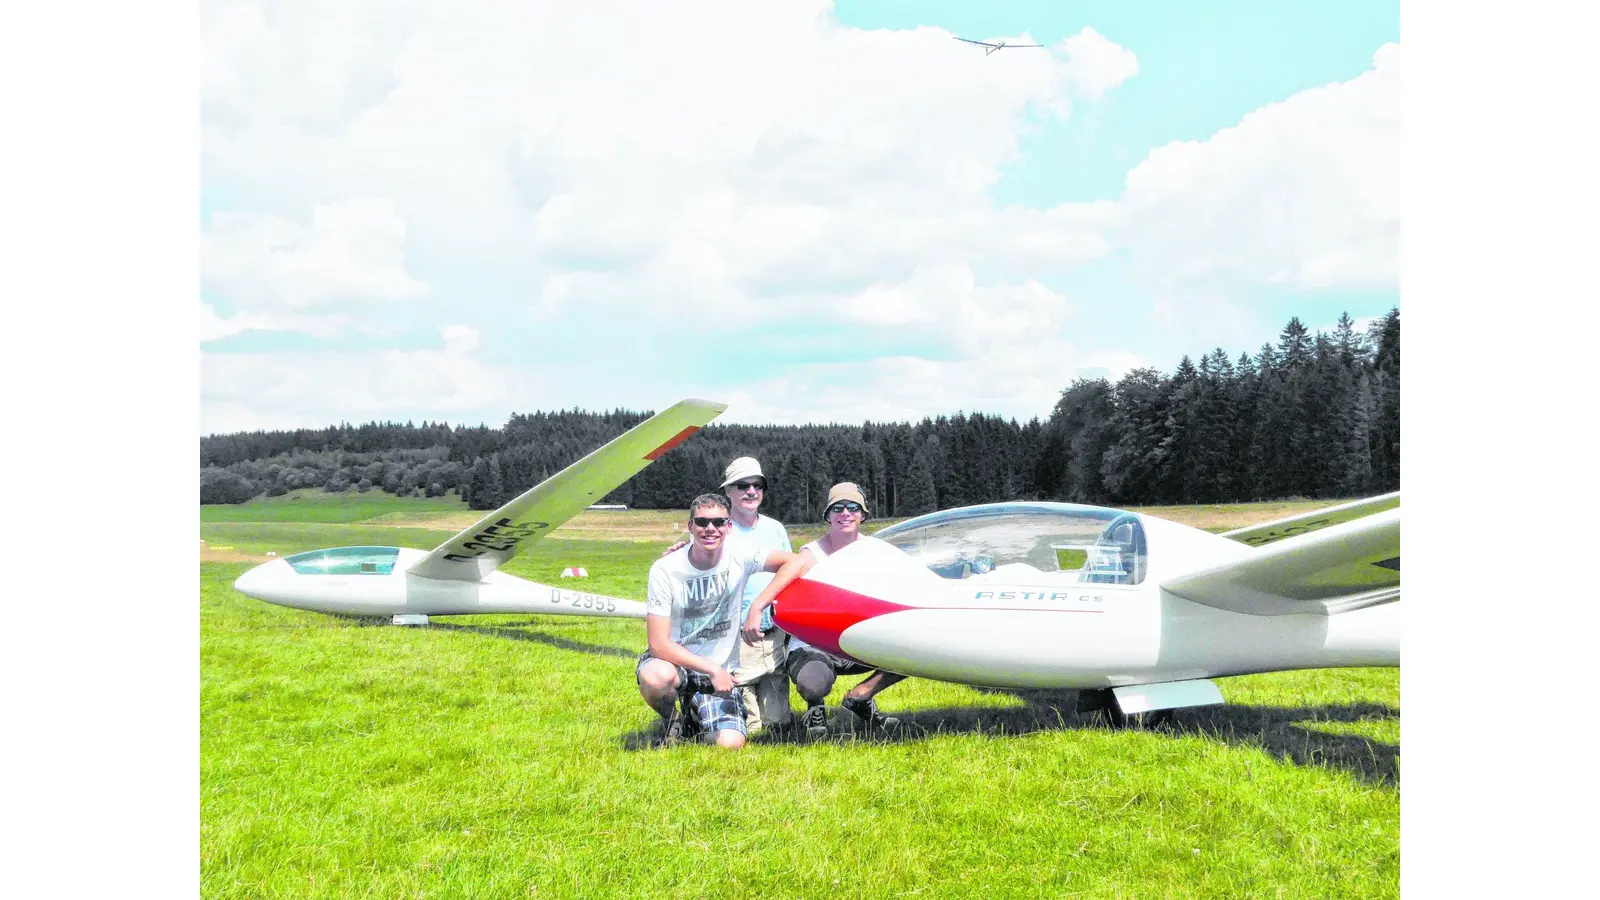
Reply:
x=740, y=469
x=845, y=490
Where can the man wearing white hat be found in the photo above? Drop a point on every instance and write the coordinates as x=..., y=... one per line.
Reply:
x=761, y=674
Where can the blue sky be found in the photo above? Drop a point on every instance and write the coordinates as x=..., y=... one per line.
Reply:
x=818, y=213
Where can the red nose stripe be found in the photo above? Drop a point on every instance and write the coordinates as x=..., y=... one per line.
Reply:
x=818, y=613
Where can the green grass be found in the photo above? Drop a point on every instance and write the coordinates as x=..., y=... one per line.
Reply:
x=507, y=756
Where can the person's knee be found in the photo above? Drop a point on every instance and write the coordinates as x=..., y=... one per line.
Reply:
x=730, y=739
x=814, y=680
x=658, y=678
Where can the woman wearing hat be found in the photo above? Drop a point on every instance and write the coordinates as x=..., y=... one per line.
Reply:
x=813, y=671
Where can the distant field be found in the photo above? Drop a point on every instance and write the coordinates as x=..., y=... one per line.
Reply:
x=508, y=756
x=414, y=517
x=317, y=505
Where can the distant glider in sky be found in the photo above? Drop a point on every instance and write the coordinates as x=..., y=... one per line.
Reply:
x=992, y=47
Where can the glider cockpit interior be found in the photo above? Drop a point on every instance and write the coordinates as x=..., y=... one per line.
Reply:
x=1064, y=541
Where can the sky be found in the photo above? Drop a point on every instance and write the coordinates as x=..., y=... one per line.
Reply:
x=813, y=211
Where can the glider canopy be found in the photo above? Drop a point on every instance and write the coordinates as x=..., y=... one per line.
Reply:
x=1104, y=546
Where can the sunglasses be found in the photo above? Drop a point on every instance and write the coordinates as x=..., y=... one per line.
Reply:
x=714, y=522
x=743, y=486
x=845, y=505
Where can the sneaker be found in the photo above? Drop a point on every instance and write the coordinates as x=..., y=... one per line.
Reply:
x=815, y=722
x=867, y=711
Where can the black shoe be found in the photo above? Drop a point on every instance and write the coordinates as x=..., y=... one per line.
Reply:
x=867, y=711
x=815, y=722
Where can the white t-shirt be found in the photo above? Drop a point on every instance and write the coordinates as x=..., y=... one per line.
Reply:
x=767, y=534
x=704, y=603
x=818, y=554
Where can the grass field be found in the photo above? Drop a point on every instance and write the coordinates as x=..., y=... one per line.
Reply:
x=508, y=756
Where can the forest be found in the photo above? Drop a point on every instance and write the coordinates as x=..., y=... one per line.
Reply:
x=1311, y=416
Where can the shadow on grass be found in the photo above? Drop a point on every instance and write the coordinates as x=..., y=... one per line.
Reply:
x=509, y=630
x=1277, y=730
x=517, y=634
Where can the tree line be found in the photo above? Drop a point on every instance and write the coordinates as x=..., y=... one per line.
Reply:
x=1313, y=415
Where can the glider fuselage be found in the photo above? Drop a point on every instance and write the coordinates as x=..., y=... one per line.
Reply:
x=1000, y=613
x=398, y=592
x=1036, y=634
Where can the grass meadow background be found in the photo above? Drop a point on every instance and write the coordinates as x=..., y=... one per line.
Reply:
x=510, y=756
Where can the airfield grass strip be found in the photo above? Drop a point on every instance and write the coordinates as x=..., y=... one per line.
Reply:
x=510, y=756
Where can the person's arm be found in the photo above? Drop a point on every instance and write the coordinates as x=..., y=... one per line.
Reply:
x=659, y=631
x=788, y=567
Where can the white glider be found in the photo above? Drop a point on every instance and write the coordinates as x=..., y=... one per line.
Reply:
x=461, y=576
x=1137, y=612
x=992, y=47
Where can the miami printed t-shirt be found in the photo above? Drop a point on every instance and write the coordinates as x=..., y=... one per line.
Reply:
x=704, y=603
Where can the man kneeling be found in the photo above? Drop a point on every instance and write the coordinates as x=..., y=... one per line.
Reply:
x=692, y=620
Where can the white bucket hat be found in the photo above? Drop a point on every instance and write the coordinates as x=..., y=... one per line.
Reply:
x=740, y=469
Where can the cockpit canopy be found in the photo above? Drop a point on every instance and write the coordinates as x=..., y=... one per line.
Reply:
x=1102, y=546
x=345, y=561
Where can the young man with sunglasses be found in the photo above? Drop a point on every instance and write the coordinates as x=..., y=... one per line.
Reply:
x=812, y=670
x=761, y=676
x=692, y=620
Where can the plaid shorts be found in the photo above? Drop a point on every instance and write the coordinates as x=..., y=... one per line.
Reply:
x=707, y=710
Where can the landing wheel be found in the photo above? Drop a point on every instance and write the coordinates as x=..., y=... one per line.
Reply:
x=1104, y=703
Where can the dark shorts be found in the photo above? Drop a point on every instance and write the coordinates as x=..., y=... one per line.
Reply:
x=798, y=658
x=708, y=710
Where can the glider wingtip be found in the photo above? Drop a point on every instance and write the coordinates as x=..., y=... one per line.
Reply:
x=704, y=403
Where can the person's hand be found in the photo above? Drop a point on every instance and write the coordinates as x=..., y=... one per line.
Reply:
x=676, y=546
x=721, y=681
x=752, y=628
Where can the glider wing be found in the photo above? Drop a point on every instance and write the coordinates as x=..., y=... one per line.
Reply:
x=495, y=538
x=1334, y=569
x=1305, y=523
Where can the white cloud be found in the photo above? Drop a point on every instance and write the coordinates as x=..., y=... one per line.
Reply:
x=303, y=389
x=671, y=166
x=1300, y=194
x=793, y=139
x=214, y=327
x=1014, y=379
x=1096, y=65
x=350, y=251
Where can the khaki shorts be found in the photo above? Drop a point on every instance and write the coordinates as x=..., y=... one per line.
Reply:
x=764, y=682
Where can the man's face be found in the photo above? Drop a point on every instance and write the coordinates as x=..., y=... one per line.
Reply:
x=746, y=493
x=845, y=517
x=708, y=525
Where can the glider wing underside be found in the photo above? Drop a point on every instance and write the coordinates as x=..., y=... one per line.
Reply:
x=495, y=538
x=1334, y=569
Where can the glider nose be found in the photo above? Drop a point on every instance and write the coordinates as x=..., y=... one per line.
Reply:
x=819, y=613
x=264, y=581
